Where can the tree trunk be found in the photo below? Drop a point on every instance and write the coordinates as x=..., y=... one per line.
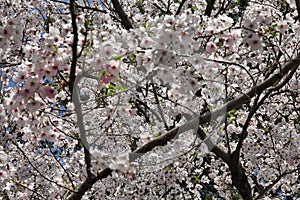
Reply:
x=239, y=179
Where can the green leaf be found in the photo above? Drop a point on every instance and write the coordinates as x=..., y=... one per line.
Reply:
x=157, y=134
x=169, y=167
x=111, y=89
x=121, y=87
x=116, y=58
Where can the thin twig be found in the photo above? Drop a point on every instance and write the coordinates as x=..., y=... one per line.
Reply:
x=37, y=170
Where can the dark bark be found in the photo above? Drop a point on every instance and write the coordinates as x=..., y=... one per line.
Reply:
x=244, y=4
x=180, y=7
x=74, y=46
x=259, y=88
x=159, y=141
x=238, y=175
x=88, y=184
x=119, y=10
x=209, y=7
x=239, y=178
x=298, y=9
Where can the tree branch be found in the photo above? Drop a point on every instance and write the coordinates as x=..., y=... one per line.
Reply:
x=209, y=7
x=29, y=189
x=220, y=153
x=259, y=88
x=124, y=19
x=180, y=7
x=61, y=165
x=82, y=131
x=88, y=184
x=298, y=9
x=74, y=46
x=37, y=170
x=269, y=187
x=257, y=105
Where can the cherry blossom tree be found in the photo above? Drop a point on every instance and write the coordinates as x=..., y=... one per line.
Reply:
x=177, y=99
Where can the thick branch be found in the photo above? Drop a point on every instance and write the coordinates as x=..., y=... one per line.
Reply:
x=88, y=184
x=298, y=8
x=238, y=175
x=209, y=7
x=74, y=46
x=258, y=104
x=220, y=153
x=159, y=141
x=88, y=162
x=124, y=19
x=245, y=98
x=239, y=179
x=80, y=124
x=180, y=7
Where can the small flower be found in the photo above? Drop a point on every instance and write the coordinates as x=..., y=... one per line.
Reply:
x=138, y=18
x=282, y=27
x=126, y=112
x=112, y=67
x=47, y=91
x=196, y=60
x=250, y=24
x=27, y=92
x=169, y=36
x=3, y=175
x=170, y=21
x=211, y=47
x=33, y=106
x=106, y=78
x=3, y=157
x=147, y=42
x=253, y=41
x=265, y=19
x=65, y=29
x=107, y=51
x=230, y=43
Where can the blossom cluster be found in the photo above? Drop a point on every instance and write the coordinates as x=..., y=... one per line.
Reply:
x=80, y=92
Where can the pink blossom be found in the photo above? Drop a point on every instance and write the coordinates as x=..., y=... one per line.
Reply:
x=250, y=24
x=27, y=92
x=211, y=47
x=107, y=51
x=282, y=26
x=176, y=70
x=253, y=41
x=3, y=175
x=106, y=78
x=230, y=43
x=47, y=91
x=137, y=18
x=112, y=67
x=170, y=20
x=196, y=60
